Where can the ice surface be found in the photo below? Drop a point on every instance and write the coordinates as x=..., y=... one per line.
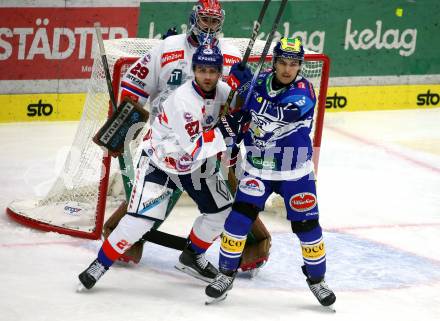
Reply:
x=378, y=190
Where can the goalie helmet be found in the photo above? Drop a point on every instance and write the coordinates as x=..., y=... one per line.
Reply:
x=206, y=21
x=208, y=56
x=289, y=48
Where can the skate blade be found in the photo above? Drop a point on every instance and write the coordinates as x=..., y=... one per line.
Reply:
x=331, y=308
x=80, y=288
x=187, y=270
x=215, y=300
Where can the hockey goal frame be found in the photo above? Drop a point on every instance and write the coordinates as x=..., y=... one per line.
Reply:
x=119, y=64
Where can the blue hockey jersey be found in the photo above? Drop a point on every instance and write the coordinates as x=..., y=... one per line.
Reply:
x=278, y=144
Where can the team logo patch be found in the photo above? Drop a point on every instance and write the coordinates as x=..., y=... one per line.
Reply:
x=303, y=202
x=188, y=116
x=252, y=186
x=184, y=163
x=175, y=77
x=171, y=56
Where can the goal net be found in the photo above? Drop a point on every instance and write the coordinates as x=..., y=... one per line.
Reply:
x=89, y=187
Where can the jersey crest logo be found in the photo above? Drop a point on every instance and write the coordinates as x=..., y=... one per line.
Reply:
x=171, y=56
x=175, y=77
x=252, y=186
x=268, y=124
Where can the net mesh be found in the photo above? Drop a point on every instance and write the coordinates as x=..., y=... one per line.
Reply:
x=72, y=200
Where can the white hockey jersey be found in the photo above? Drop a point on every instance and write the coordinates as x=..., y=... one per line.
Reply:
x=182, y=137
x=165, y=68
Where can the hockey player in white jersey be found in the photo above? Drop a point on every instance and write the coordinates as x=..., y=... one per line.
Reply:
x=180, y=151
x=157, y=74
x=153, y=77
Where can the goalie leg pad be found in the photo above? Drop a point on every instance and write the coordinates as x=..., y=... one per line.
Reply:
x=256, y=252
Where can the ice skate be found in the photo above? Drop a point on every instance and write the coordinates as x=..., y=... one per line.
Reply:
x=196, y=265
x=321, y=291
x=91, y=275
x=218, y=290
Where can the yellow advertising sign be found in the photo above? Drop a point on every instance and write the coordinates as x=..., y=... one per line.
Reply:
x=41, y=107
x=61, y=107
x=363, y=98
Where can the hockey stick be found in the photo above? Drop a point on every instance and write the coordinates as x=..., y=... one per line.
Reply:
x=252, y=39
x=154, y=236
x=108, y=78
x=265, y=50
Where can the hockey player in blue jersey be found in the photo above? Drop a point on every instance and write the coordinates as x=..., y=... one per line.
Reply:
x=278, y=159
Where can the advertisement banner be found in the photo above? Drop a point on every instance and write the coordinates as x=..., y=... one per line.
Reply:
x=364, y=98
x=56, y=43
x=41, y=107
x=371, y=38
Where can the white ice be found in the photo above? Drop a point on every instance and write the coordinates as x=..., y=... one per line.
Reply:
x=379, y=199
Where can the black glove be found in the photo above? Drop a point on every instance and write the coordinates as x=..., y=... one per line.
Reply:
x=232, y=125
x=171, y=32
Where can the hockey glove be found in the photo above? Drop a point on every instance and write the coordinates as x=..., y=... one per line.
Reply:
x=295, y=107
x=171, y=32
x=240, y=79
x=232, y=126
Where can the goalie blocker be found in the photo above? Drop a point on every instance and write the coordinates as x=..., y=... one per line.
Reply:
x=113, y=133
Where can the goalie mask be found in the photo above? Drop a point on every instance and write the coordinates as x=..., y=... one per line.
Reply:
x=289, y=48
x=208, y=56
x=206, y=21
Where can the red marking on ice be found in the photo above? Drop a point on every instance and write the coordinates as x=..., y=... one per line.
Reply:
x=385, y=148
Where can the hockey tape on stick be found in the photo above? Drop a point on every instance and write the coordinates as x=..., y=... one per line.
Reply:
x=265, y=50
x=108, y=78
x=252, y=39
